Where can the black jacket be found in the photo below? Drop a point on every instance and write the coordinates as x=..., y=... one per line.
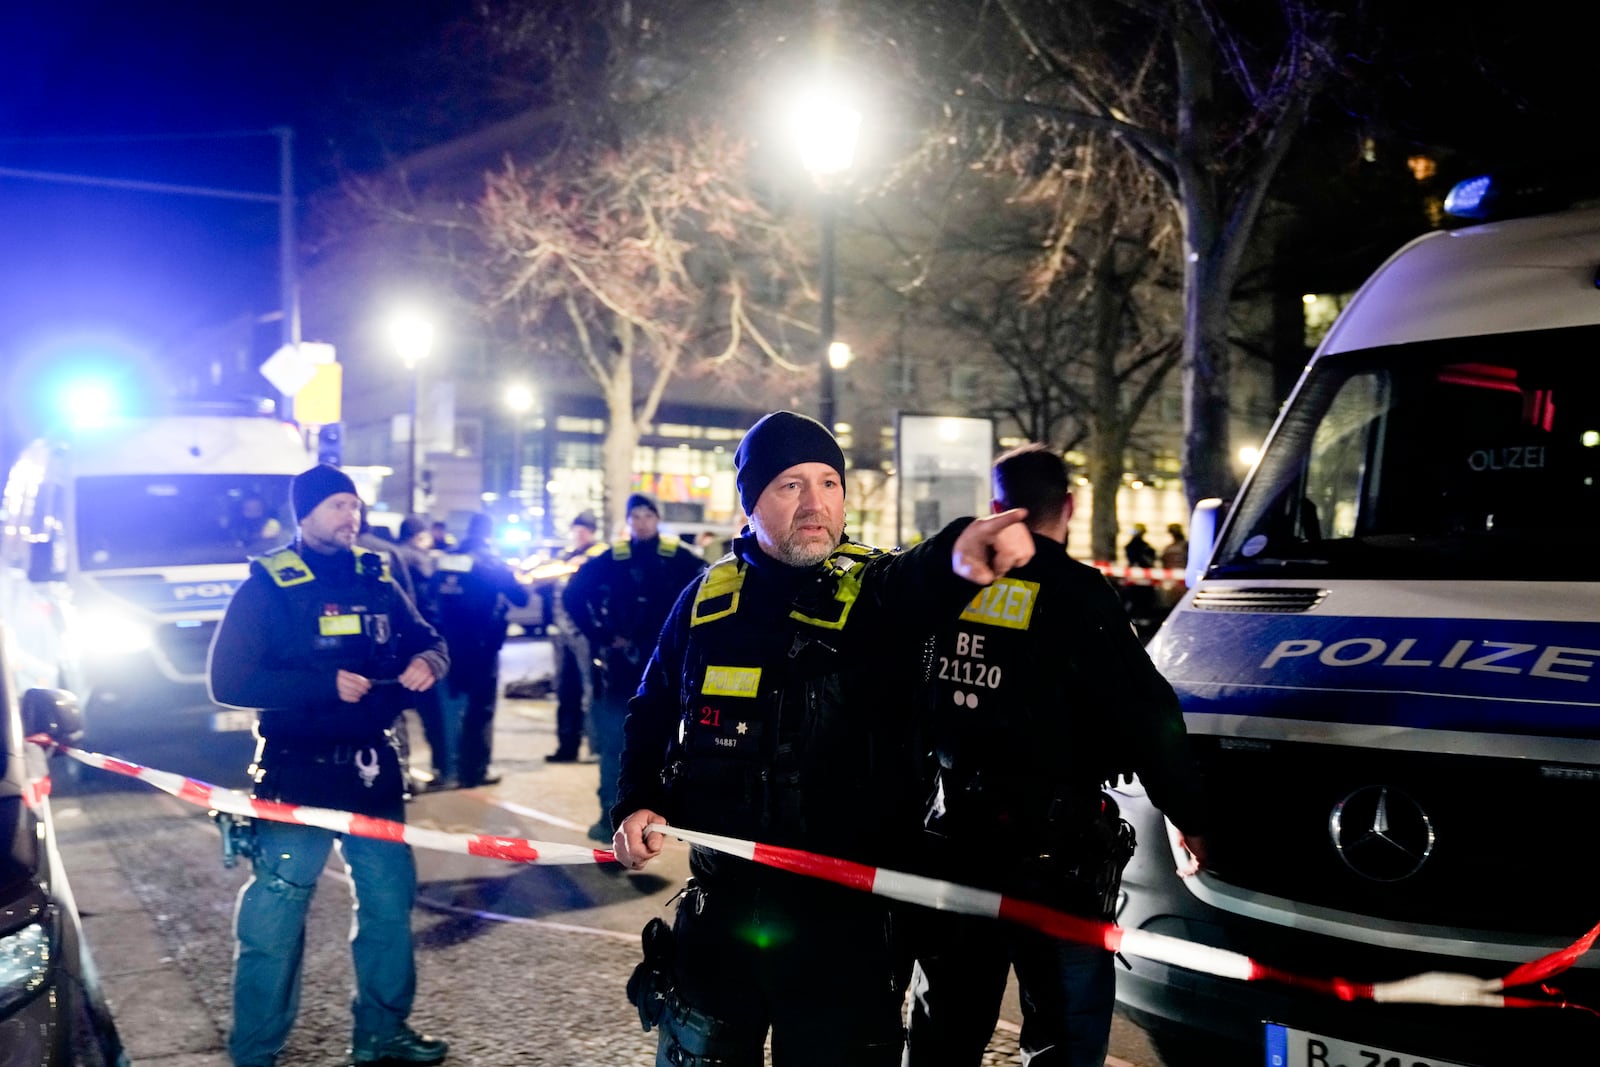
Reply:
x=282, y=642
x=1038, y=693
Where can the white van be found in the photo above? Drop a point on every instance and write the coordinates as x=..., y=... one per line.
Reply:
x=1390, y=667
x=121, y=546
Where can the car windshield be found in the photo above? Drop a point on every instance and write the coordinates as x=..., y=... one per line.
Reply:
x=1470, y=458
x=163, y=520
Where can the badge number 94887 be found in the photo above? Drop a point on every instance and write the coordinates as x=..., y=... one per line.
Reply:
x=1297, y=1048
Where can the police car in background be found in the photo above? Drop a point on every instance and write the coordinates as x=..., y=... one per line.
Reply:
x=1390, y=668
x=51, y=1009
x=121, y=542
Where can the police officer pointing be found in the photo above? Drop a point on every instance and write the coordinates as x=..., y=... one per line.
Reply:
x=768, y=712
x=321, y=643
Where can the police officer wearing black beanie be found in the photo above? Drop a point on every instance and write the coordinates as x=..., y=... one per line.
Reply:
x=770, y=712
x=618, y=599
x=319, y=642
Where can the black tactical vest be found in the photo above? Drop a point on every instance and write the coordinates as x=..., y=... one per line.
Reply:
x=768, y=747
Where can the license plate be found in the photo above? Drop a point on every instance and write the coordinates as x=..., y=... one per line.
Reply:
x=1297, y=1048
x=225, y=721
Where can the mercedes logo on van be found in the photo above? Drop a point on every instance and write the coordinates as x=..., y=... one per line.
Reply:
x=1381, y=833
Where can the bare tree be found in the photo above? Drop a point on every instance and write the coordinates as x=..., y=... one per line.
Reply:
x=1207, y=104
x=649, y=261
x=1065, y=290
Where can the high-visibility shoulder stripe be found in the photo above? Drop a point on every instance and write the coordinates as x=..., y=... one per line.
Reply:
x=621, y=549
x=718, y=595
x=286, y=568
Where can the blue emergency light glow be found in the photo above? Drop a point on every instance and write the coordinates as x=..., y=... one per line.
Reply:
x=87, y=403
x=1471, y=198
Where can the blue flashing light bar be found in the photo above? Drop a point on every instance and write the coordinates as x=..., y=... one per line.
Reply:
x=1472, y=198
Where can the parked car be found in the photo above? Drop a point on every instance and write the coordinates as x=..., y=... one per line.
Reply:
x=52, y=1013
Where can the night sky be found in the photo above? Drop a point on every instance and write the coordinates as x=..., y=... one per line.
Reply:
x=137, y=91
x=146, y=270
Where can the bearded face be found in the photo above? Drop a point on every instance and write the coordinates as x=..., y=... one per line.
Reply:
x=799, y=517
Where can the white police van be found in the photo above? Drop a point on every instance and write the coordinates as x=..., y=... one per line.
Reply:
x=1390, y=666
x=120, y=546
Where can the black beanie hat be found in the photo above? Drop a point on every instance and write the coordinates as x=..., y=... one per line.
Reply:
x=774, y=444
x=314, y=486
x=641, y=500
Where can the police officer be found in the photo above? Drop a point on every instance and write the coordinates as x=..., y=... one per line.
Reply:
x=768, y=713
x=574, y=692
x=472, y=588
x=619, y=598
x=319, y=641
x=1040, y=692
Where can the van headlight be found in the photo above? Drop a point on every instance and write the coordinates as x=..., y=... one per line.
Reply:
x=110, y=633
x=26, y=956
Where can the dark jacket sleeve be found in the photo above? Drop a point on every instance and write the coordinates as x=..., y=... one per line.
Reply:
x=653, y=716
x=917, y=588
x=417, y=637
x=505, y=582
x=582, y=598
x=1147, y=734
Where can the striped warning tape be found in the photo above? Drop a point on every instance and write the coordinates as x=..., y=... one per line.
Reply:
x=1434, y=987
x=219, y=798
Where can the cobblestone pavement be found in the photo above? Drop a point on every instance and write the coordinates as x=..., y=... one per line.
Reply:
x=516, y=964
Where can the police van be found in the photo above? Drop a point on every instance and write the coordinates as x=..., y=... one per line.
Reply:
x=1389, y=663
x=120, y=546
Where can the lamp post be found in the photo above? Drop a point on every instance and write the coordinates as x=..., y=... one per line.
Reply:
x=519, y=400
x=412, y=336
x=825, y=130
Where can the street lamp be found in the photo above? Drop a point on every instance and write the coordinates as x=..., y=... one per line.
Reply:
x=412, y=336
x=519, y=400
x=825, y=128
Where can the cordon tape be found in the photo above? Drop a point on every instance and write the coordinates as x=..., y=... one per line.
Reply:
x=1433, y=987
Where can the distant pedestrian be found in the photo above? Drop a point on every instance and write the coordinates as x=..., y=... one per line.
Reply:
x=619, y=599
x=1175, y=556
x=570, y=649
x=1139, y=552
x=472, y=589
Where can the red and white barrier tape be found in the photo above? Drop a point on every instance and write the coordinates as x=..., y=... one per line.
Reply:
x=206, y=795
x=1138, y=574
x=1435, y=987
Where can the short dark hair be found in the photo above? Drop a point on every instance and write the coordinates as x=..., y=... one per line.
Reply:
x=1033, y=477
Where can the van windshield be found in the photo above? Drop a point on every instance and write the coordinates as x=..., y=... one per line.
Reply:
x=164, y=520
x=1466, y=458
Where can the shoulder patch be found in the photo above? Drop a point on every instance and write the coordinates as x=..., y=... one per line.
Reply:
x=286, y=568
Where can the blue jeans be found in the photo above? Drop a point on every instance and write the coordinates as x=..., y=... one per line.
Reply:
x=1067, y=991
x=270, y=927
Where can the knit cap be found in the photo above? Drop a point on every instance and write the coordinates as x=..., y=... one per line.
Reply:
x=774, y=444
x=314, y=486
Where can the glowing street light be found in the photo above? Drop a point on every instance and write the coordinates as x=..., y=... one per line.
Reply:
x=519, y=401
x=825, y=129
